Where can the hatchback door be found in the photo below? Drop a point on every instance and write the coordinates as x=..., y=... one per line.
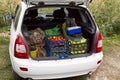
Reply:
x=84, y=2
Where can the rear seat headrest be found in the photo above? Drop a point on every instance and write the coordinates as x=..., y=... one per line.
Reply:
x=59, y=13
x=32, y=13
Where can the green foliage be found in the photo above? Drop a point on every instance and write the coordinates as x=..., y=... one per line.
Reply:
x=6, y=7
x=5, y=65
x=4, y=40
x=106, y=13
x=110, y=42
x=4, y=29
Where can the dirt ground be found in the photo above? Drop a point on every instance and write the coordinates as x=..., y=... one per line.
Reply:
x=108, y=70
x=4, y=34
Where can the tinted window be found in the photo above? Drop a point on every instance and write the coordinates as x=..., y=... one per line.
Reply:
x=17, y=16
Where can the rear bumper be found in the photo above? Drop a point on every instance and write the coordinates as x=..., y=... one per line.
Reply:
x=56, y=68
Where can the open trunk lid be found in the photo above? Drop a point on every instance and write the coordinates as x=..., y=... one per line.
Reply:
x=61, y=37
x=84, y=2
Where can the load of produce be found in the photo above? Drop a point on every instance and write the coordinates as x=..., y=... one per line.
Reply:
x=36, y=41
x=56, y=46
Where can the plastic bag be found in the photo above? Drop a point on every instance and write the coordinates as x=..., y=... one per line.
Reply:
x=53, y=32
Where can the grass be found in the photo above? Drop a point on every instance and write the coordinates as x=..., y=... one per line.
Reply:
x=4, y=40
x=4, y=29
x=5, y=68
x=109, y=42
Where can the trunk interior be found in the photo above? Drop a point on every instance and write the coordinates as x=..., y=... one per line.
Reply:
x=58, y=32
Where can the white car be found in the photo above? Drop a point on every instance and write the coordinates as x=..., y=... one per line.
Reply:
x=80, y=54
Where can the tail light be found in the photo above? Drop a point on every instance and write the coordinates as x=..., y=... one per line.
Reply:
x=98, y=43
x=20, y=50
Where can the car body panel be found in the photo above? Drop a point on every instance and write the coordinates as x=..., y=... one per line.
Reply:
x=56, y=68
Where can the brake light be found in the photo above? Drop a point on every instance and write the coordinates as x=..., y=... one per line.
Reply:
x=98, y=43
x=20, y=50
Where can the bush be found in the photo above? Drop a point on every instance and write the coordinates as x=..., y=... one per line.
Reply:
x=6, y=7
x=107, y=16
x=105, y=13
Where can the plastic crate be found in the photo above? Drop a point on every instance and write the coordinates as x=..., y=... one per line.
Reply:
x=56, y=47
x=78, y=47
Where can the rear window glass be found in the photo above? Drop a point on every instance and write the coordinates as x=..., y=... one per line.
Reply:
x=17, y=16
x=44, y=15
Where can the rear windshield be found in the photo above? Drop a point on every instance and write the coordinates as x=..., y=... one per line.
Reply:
x=40, y=15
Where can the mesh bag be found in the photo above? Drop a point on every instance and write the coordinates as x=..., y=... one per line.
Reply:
x=36, y=39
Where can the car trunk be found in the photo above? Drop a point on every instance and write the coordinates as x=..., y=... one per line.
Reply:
x=68, y=32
